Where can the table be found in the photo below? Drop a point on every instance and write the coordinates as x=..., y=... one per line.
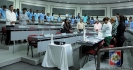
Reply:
x=58, y=56
x=43, y=42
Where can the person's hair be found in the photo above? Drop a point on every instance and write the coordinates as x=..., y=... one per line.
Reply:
x=117, y=13
x=122, y=19
x=125, y=18
x=24, y=9
x=97, y=17
x=10, y=6
x=65, y=20
x=4, y=6
x=84, y=14
x=130, y=17
x=106, y=18
x=113, y=19
x=92, y=18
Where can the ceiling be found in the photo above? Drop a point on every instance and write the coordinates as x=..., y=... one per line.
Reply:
x=88, y=1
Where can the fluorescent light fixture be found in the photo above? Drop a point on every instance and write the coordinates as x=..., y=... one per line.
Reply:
x=67, y=2
x=97, y=2
x=118, y=1
x=88, y=2
x=60, y=1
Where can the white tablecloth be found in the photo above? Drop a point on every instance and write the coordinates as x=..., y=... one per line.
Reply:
x=58, y=56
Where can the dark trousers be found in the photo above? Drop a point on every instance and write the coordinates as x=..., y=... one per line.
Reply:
x=80, y=30
x=8, y=34
x=120, y=44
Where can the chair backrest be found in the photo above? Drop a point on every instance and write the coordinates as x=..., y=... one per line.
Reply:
x=29, y=39
x=58, y=33
x=100, y=46
x=4, y=29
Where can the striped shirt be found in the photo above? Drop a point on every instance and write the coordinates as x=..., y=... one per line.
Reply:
x=114, y=29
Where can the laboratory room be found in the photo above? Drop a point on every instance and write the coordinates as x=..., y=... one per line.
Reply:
x=66, y=34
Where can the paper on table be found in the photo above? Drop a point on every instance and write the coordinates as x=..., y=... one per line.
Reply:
x=47, y=35
x=100, y=35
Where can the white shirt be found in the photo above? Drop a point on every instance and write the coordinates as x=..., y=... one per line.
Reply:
x=10, y=16
x=80, y=25
x=23, y=18
x=107, y=29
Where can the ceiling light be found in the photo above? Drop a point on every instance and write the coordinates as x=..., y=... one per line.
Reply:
x=88, y=2
x=67, y=2
x=60, y=1
x=129, y=0
x=97, y=2
x=118, y=1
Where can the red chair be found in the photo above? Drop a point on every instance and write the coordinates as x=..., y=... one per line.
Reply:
x=93, y=52
x=31, y=43
x=3, y=33
x=58, y=33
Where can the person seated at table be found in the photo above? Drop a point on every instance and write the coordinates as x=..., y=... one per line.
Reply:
x=107, y=34
x=80, y=26
x=92, y=21
x=59, y=19
x=97, y=26
x=114, y=26
x=130, y=23
x=73, y=20
x=23, y=18
x=126, y=22
x=67, y=26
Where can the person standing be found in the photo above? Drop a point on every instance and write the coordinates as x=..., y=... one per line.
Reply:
x=36, y=15
x=120, y=38
x=114, y=26
x=130, y=22
x=42, y=15
x=80, y=26
x=73, y=20
x=92, y=21
x=52, y=18
x=30, y=14
x=67, y=15
x=3, y=12
x=59, y=19
x=107, y=34
x=10, y=22
x=117, y=15
x=23, y=18
x=89, y=18
x=48, y=18
x=15, y=11
x=97, y=26
x=85, y=18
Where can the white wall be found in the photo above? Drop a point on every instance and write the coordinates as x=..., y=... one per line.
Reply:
x=78, y=8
